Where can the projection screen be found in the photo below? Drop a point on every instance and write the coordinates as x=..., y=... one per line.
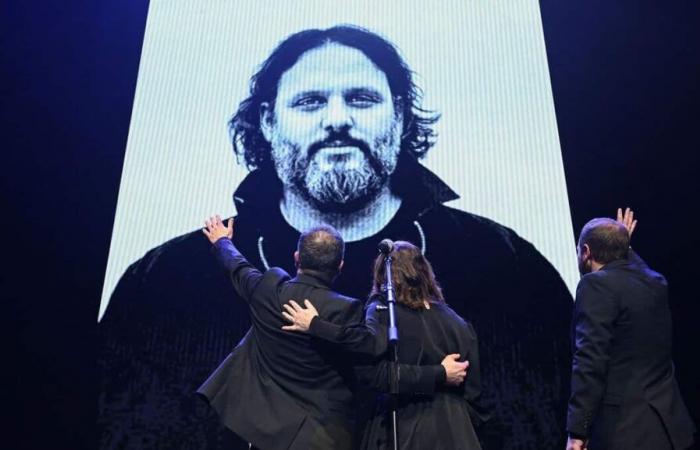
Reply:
x=482, y=65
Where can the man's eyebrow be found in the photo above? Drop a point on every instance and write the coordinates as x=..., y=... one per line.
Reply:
x=365, y=90
x=309, y=93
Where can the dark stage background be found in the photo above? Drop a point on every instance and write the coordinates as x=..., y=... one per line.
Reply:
x=625, y=78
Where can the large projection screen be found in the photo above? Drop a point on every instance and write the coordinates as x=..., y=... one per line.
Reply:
x=482, y=65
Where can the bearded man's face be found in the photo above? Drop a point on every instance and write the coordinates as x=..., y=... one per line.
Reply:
x=334, y=131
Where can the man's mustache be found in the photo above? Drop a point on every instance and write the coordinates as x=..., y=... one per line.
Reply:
x=339, y=140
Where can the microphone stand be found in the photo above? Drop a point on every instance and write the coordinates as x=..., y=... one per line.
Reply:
x=393, y=353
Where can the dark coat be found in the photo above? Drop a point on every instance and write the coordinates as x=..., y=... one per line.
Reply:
x=623, y=391
x=174, y=316
x=441, y=418
x=278, y=389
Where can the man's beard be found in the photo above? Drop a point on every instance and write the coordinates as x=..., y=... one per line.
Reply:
x=584, y=266
x=340, y=188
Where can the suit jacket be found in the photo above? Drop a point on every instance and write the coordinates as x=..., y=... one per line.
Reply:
x=623, y=391
x=279, y=389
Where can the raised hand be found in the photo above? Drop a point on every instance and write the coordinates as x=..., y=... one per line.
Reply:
x=215, y=229
x=299, y=317
x=455, y=371
x=576, y=444
x=627, y=219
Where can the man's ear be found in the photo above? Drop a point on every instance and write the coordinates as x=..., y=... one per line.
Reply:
x=340, y=266
x=296, y=259
x=586, y=252
x=267, y=118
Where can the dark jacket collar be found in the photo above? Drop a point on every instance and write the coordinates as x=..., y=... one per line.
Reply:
x=615, y=264
x=419, y=188
x=313, y=279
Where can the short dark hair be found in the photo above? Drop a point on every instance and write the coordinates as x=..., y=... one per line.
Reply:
x=244, y=128
x=321, y=249
x=608, y=239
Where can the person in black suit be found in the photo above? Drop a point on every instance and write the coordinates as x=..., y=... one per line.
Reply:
x=283, y=390
x=623, y=391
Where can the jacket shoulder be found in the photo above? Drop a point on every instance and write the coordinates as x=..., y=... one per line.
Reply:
x=190, y=246
x=341, y=309
x=473, y=226
x=597, y=282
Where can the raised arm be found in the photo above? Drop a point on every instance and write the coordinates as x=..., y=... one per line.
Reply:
x=627, y=219
x=244, y=276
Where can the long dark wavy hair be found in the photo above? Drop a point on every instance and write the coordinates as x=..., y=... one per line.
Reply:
x=412, y=275
x=244, y=128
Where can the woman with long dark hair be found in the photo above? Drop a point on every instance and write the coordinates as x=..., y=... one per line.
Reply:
x=428, y=330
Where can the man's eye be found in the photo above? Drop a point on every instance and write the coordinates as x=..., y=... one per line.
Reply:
x=309, y=103
x=362, y=100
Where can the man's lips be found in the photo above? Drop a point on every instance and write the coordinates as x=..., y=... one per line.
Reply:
x=347, y=157
x=338, y=147
x=338, y=150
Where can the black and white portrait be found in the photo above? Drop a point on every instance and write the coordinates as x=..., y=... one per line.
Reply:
x=438, y=131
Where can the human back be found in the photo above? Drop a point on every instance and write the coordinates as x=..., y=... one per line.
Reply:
x=428, y=330
x=623, y=392
x=280, y=390
x=307, y=368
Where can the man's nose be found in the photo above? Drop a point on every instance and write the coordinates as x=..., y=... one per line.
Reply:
x=338, y=115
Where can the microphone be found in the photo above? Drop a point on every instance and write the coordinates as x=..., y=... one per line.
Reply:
x=386, y=246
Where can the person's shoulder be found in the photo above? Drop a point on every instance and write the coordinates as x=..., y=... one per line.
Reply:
x=175, y=273
x=278, y=272
x=445, y=309
x=323, y=293
x=597, y=282
x=450, y=318
x=189, y=246
x=597, y=277
x=337, y=308
x=344, y=300
x=472, y=224
x=636, y=265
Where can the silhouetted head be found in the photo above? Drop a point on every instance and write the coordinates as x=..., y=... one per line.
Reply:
x=602, y=240
x=320, y=251
x=412, y=275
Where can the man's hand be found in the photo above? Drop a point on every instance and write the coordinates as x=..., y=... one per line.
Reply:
x=215, y=229
x=576, y=444
x=298, y=316
x=627, y=219
x=455, y=371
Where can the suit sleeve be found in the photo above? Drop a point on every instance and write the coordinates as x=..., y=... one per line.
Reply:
x=413, y=379
x=595, y=312
x=244, y=276
x=362, y=338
